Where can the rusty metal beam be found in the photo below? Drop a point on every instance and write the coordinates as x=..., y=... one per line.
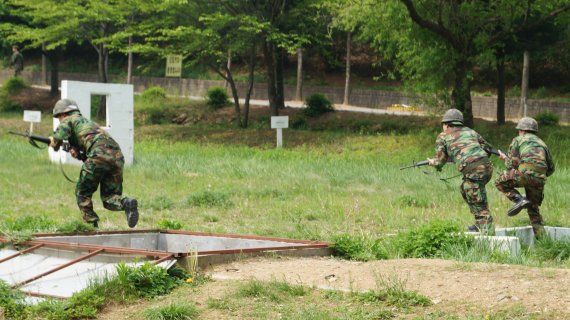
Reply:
x=65, y=265
x=22, y=252
x=91, y=247
x=163, y=259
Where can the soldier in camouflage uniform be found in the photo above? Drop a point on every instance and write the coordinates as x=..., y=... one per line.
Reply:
x=468, y=150
x=102, y=164
x=528, y=164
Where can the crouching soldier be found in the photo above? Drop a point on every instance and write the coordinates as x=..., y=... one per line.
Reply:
x=468, y=150
x=102, y=159
x=528, y=164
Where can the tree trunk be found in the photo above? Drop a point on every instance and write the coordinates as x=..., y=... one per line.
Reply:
x=232, y=84
x=130, y=62
x=461, y=93
x=251, y=79
x=279, y=83
x=102, y=55
x=44, y=66
x=268, y=53
x=299, y=91
x=54, y=74
x=228, y=66
x=524, y=85
x=345, y=101
x=500, y=55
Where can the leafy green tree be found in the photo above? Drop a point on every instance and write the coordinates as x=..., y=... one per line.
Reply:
x=436, y=43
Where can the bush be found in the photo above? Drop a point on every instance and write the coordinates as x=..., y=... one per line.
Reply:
x=146, y=281
x=547, y=119
x=359, y=247
x=317, y=104
x=217, y=97
x=13, y=85
x=154, y=94
x=430, y=240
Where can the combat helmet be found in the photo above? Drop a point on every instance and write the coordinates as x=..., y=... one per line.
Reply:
x=64, y=106
x=528, y=124
x=452, y=116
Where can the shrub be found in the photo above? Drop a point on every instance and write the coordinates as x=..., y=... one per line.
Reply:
x=547, y=119
x=217, y=97
x=154, y=94
x=359, y=247
x=169, y=224
x=13, y=85
x=146, y=281
x=317, y=104
x=430, y=240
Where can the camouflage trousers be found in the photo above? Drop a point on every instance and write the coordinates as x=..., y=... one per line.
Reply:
x=509, y=180
x=104, y=168
x=474, y=193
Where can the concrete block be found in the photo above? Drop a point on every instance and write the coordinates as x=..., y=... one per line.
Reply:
x=558, y=233
x=501, y=243
x=525, y=234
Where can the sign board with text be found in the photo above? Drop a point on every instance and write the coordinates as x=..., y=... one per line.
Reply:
x=280, y=122
x=32, y=116
x=174, y=65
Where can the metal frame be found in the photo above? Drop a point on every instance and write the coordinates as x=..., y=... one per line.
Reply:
x=160, y=256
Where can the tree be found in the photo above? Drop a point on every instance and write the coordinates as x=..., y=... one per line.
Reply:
x=440, y=47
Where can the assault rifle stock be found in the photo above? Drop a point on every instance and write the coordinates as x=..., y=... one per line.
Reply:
x=32, y=138
x=425, y=162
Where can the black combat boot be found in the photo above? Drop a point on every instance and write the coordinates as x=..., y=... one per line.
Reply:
x=131, y=211
x=520, y=204
x=473, y=228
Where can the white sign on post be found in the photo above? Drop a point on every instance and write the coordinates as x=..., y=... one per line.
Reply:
x=280, y=123
x=31, y=117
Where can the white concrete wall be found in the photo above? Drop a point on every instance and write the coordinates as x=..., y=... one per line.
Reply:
x=119, y=113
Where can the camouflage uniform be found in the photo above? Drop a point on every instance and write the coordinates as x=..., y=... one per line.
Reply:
x=528, y=164
x=467, y=148
x=17, y=61
x=103, y=166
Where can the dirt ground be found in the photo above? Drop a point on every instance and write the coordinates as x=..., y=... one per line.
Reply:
x=452, y=286
x=455, y=288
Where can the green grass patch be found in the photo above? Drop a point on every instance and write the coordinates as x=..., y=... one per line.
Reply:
x=172, y=311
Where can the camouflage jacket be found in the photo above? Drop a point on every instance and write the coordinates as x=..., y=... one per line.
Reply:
x=17, y=61
x=462, y=145
x=530, y=155
x=83, y=134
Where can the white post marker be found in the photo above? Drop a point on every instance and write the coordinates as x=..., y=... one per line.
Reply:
x=31, y=117
x=279, y=123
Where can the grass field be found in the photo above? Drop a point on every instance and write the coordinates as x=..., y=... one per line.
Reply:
x=221, y=179
x=339, y=176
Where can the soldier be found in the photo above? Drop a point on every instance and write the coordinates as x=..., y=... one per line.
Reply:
x=528, y=164
x=468, y=150
x=102, y=164
x=17, y=61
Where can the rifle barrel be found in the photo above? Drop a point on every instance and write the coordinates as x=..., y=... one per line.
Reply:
x=34, y=137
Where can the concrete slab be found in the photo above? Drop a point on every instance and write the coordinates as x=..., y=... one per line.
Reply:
x=59, y=265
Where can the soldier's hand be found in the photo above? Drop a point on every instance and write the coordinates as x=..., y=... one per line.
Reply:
x=53, y=143
x=73, y=152
x=502, y=155
x=431, y=161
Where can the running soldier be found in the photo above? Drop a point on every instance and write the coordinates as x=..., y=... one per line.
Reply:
x=468, y=150
x=528, y=164
x=102, y=159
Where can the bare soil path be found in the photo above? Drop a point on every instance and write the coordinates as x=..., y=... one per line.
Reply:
x=452, y=286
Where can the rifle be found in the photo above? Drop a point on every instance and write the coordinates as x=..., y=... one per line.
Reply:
x=32, y=139
x=425, y=162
